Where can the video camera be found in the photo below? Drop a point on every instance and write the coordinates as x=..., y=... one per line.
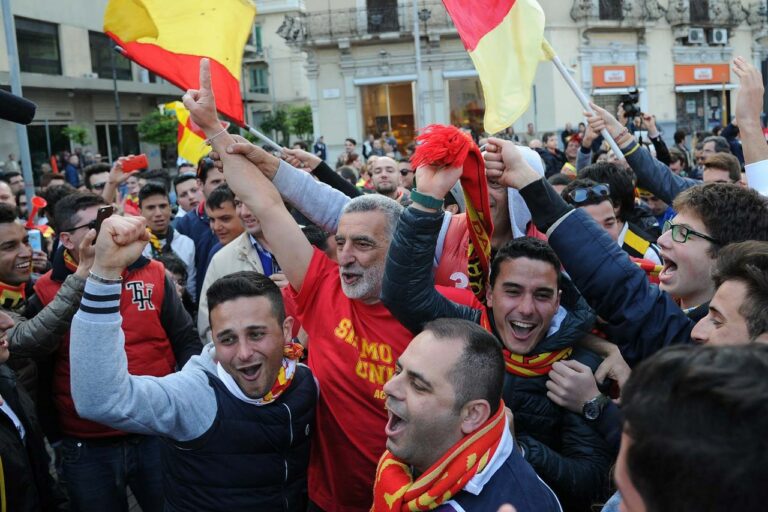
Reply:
x=629, y=103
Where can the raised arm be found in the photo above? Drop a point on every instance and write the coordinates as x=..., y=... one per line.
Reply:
x=749, y=104
x=408, y=289
x=652, y=175
x=312, y=163
x=248, y=182
x=181, y=405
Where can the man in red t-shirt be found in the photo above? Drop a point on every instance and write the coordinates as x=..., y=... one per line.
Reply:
x=355, y=341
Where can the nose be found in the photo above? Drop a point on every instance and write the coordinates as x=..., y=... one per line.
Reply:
x=25, y=251
x=665, y=240
x=525, y=306
x=700, y=332
x=244, y=350
x=345, y=254
x=392, y=386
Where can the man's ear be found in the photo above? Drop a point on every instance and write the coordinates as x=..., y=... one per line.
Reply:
x=474, y=414
x=288, y=329
x=66, y=240
x=489, y=296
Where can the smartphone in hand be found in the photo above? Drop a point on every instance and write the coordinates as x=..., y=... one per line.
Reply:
x=133, y=163
x=104, y=213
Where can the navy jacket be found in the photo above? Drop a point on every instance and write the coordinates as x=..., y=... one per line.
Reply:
x=640, y=318
x=567, y=452
x=252, y=458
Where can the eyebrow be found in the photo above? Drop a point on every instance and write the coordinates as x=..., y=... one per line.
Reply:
x=416, y=375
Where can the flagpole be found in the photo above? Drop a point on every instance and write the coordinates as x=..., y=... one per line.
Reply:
x=550, y=53
x=274, y=145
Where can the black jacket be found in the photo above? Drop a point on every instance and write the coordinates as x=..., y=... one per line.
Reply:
x=553, y=162
x=567, y=452
x=26, y=483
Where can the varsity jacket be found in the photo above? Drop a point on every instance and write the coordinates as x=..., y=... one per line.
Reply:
x=159, y=334
x=236, y=256
x=562, y=447
x=640, y=318
x=222, y=452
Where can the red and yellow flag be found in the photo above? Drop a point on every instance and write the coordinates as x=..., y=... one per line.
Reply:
x=504, y=39
x=191, y=139
x=169, y=37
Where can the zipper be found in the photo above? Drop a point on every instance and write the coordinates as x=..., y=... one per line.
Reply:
x=285, y=458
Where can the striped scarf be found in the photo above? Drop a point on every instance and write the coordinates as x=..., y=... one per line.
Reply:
x=395, y=489
x=12, y=297
x=447, y=146
x=69, y=261
x=534, y=366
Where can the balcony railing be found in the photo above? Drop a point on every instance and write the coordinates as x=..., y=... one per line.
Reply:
x=330, y=25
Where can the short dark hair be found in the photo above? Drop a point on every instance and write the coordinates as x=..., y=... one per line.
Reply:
x=747, y=263
x=546, y=136
x=203, y=168
x=52, y=196
x=6, y=176
x=94, y=169
x=316, y=236
x=591, y=198
x=246, y=283
x=69, y=206
x=721, y=143
x=676, y=155
x=47, y=177
x=479, y=372
x=620, y=181
x=181, y=178
x=350, y=139
x=696, y=417
x=679, y=136
x=725, y=162
x=559, y=179
x=151, y=189
x=219, y=196
x=525, y=247
x=173, y=264
x=8, y=214
x=729, y=212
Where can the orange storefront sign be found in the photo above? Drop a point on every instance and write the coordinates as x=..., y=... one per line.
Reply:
x=693, y=74
x=613, y=76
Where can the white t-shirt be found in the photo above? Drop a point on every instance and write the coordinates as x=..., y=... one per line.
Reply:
x=14, y=419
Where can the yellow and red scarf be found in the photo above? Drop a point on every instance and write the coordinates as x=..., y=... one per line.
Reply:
x=395, y=490
x=12, y=297
x=447, y=146
x=534, y=366
x=69, y=261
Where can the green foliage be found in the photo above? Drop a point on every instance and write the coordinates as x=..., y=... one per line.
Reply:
x=77, y=133
x=159, y=128
x=300, y=119
x=277, y=122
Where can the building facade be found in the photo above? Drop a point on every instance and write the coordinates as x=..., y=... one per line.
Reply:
x=395, y=65
x=66, y=69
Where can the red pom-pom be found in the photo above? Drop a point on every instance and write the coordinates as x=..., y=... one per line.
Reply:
x=441, y=146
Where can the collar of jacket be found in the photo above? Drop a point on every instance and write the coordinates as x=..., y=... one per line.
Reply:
x=59, y=271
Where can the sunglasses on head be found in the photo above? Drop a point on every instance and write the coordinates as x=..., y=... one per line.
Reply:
x=580, y=195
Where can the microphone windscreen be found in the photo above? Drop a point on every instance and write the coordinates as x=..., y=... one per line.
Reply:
x=16, y=109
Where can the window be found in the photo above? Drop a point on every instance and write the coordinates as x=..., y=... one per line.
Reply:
x=101, y=58
x=259, y=80
x=467, y=103
x=38, y=44
x=611, y=10
x=699, y=11
x=389, y=107
x=256, y=38
x=382, y=16
x=107, y=140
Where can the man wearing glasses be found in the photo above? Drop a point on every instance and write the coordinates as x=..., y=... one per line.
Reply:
x=99, y=462
x=711, y=217
x=96, y=177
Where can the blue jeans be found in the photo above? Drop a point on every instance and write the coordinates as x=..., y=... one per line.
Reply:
x=97, y=471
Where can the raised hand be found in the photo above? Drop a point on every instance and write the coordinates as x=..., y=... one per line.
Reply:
x=589, y=137
x=601, y=118
x=749, y=102
x=301, y=159
x=505, y=164
x=119, y=244
x=436, y=181
x=201, y=102
x=264, y=160
x=649, y=122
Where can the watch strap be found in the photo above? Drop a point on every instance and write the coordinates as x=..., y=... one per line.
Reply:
x=425, y=200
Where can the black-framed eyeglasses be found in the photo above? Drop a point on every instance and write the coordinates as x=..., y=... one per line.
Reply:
x=580, y=195
x=90, y=225
x=98, y=186
x=681, y=232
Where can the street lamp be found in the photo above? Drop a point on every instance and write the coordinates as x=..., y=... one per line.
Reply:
x=424, y=15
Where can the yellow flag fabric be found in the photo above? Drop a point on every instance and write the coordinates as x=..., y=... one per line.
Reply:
x=169, y=37
x=191, y=140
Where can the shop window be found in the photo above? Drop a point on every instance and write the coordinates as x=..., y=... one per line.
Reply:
x=38, y=44
x=389, y=108
x=101, y=57
x=41, y=138
x=467, y=104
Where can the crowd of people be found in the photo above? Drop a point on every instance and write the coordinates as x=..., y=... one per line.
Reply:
x=454, y=325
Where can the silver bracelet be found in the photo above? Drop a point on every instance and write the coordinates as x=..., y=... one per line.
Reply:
x=104, y=280
x=208, y=140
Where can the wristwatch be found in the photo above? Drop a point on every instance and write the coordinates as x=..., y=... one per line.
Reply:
x=592, y=408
